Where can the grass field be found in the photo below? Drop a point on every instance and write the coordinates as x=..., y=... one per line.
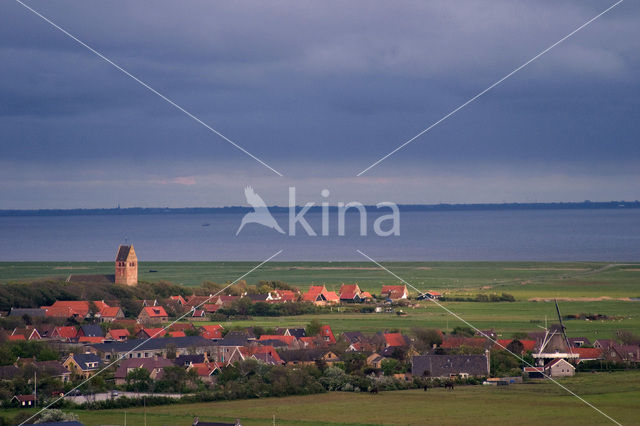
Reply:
x=505, y=318
x=616, y=394
x=522, y=279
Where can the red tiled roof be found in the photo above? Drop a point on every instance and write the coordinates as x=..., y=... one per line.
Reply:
x=288, y=340
x=349, y=291
x=529, y=345
x=181, y=326
x=394, y=339
x=534, y=370
x=312, y=294
x=587, y=353
x=155, y=311
x=327, y=334
x=210, y=308
x=177, y=334
x=394, y=291
x=211, y=331
x=66, y=332
x=120, y=333
x=154, y=332
x=206, y=368
x=17, y=337
x=109, y=312
x=366, y=295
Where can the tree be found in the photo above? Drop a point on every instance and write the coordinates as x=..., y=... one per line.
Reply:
x=426, y=338
x=391, y=366
x=138, y=380
x=462, y=331
x=171, y=351
x=313, y=328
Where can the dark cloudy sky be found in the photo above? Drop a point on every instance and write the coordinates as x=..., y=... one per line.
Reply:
x=318, y=90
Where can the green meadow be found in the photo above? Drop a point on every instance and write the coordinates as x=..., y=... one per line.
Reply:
x=522, y=279
x=616, y=394
x=504, y=317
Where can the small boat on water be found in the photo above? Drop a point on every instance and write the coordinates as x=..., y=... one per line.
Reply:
x=206, y=224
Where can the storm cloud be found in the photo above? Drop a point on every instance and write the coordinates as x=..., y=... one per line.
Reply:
x=318, y=90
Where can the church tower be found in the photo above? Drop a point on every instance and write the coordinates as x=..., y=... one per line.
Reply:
x=126, y=266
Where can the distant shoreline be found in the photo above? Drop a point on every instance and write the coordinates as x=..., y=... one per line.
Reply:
x=584, y=205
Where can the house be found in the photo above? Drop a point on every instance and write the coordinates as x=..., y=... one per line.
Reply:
x=375, y=360
x=578, y=342
x=153, y=314
x=264, y=354
x=151, y=333
x=283, y=296
x=396, y=340
x=178, y=299
x=45, y=330
x=155, y=366
x=296, y=332
x=308, y=357
x=24, y=401
x=29, y=333
x=588, y=354
x=182, y=326
x=53, y=369
x=186, y=360
x=559, y=368
x=227, y=350
x=450, y=365
x=350, y=293
x=148, y=348
x=319, y=295
x=78, y=309
x=603, y=343
x=126, y=266
x=206, y=370
x=290, y=341
x=30, y=312
x=353, y=337
x=90, y=330
x=622, y=353
x=65, y=334
x=394, y=292
x=110, y=314
x=211, y=331
x=327, y=335
x=84, y=365
x=118, y=334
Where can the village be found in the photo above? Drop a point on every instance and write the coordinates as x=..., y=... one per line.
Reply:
x=83, y=351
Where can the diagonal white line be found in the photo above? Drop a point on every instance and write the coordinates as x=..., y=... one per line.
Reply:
x=155, y=334
x=489, y=88
x=151, y=89
x=489, y=338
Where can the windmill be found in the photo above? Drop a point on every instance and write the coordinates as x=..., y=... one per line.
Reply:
x=555, y=343
x=562, y=327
